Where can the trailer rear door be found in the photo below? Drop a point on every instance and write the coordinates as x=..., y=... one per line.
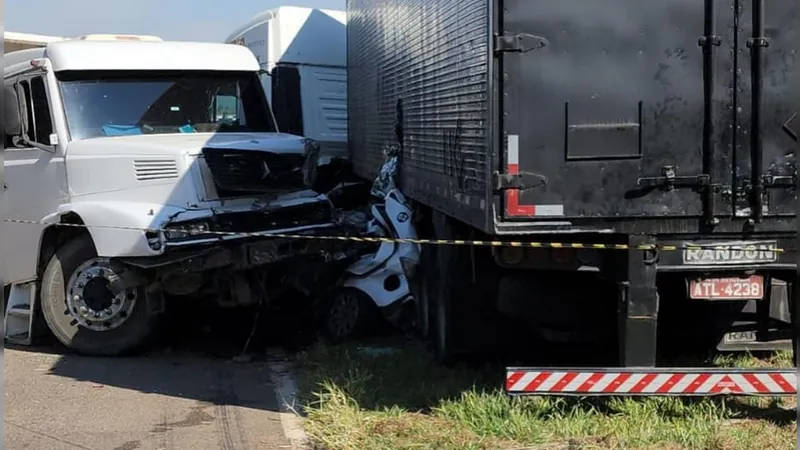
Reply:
x=767, y=100
x=624, y=108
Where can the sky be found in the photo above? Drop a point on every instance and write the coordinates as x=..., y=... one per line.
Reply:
x=189, y=20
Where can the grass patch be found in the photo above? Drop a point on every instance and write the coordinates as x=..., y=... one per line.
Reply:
x=401, y=399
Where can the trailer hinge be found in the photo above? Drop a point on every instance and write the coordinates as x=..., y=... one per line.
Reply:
x=518, y=43
x=669, y=181
x=521, y=181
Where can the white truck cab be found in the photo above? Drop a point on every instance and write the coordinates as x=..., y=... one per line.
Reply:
x=136, y=168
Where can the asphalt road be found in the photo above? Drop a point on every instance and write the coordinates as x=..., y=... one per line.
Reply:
x=153, y=402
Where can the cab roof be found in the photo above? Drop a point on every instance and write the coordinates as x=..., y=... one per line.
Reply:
x=139, y=55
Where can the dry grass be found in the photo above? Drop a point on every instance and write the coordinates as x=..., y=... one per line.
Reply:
x=403, y=400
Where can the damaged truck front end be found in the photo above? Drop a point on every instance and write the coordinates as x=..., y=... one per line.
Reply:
x=263, y=214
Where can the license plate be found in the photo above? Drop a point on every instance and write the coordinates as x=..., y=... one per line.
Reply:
x=727, y=288
x=740, y=337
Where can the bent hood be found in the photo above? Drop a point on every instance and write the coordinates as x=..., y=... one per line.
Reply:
x=238, y=164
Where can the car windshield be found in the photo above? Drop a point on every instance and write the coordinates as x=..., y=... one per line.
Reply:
x=99, y=104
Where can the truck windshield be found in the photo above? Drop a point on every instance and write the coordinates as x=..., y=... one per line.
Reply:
x=115, y=103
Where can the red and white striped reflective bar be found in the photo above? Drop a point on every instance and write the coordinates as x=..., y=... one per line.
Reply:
x=651, y=382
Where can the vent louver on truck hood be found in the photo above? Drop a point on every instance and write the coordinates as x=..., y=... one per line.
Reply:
x=238, y=172
x=155, y=169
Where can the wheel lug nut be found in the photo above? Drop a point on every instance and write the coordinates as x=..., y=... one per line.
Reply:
x=76, y=298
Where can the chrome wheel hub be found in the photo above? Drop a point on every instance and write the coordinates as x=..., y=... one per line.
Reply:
x=97, y=298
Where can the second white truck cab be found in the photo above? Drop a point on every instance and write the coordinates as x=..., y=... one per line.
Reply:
x=135, y=168
x=303, y=56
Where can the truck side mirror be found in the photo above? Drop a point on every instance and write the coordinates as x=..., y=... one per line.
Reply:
x=11, y=113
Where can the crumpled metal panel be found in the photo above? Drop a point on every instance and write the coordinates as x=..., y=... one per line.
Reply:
x=433, y=56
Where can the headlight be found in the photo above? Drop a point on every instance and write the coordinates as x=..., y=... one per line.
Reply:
x=186, y=230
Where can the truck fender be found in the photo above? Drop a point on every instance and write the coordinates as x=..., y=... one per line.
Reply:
x=118, y=228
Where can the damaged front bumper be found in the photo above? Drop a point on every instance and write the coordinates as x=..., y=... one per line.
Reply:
x=288, y=214
x=246, y=236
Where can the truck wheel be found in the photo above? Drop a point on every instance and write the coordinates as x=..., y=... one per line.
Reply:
x=450, y=284
x=462, y=304
x=423, y=285
x=81, y=310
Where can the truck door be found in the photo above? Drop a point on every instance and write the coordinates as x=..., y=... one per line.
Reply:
x=35, y=179
x=766, y=113
x=626, y=109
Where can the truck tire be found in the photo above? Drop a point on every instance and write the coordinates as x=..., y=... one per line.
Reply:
x=447, y=285
x=423, y=288
x=463, y=287
x=125, y=329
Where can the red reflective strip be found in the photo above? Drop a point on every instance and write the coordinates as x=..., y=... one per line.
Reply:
x=563, y=382
x=536, y=382
x=512, y=379
x=513, y=208
x=616, y=383
x=756, y=383
x=643, y=383
x=697, y=383
x=672, y=381
x=726, y=383
x=782, y=383
x=590, y=382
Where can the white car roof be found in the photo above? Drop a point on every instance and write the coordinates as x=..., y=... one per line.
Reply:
x=147, y=55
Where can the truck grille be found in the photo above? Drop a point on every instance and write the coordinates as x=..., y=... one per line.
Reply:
x=239, y=172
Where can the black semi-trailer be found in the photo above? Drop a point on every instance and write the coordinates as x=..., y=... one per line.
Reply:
x=668, y=126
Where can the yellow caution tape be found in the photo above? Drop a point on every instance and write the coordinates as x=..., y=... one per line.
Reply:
x=472, y=243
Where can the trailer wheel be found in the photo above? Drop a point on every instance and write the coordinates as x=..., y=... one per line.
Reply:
x=423, y=286
x=424, y=289
x=449, y=285
x=83, y=313
x=462, y=285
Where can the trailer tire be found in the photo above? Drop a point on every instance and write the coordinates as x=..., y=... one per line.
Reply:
x=132, y=335
x=449, y=289
x=424, y=286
